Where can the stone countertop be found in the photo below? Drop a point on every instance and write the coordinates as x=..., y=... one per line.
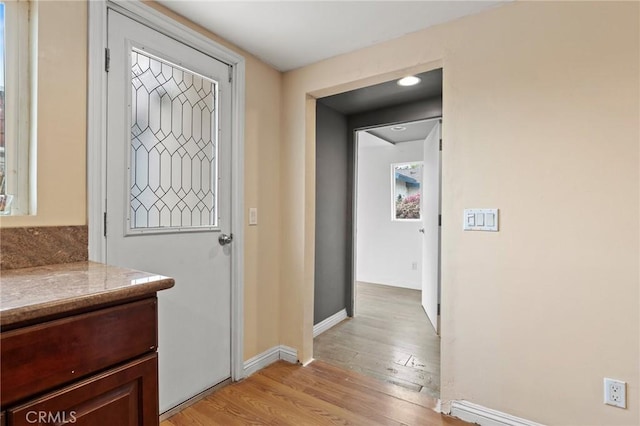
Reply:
x=30, y=293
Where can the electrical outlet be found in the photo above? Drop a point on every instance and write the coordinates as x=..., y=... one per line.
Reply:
x=414, y=266
x=615, y=393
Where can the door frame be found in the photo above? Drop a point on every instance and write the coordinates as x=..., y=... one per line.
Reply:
x=97, y=142
x=354, y=205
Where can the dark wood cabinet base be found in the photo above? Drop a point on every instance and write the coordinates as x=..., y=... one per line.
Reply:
x=123, y=396
x=97, y=368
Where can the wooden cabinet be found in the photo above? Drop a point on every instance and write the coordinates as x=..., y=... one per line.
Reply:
x=123, y=396
x=93, y=368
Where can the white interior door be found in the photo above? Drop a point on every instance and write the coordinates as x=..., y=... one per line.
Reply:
x=169, y=195
x=430, y=217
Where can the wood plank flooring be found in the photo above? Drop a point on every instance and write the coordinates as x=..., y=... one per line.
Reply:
x=390, y=339
x=318, y=394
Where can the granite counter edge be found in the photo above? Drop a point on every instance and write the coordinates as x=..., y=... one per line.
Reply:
x=58, y=307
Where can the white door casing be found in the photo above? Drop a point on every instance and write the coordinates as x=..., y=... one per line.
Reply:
x=430, y=224
x=168, y=195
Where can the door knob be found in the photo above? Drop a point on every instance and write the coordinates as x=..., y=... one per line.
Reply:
x=225, y=239
x=421, y=230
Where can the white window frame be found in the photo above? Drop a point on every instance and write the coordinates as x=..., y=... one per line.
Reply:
x=20, y=105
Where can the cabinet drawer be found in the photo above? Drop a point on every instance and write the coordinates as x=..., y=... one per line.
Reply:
x=124, y=396
x=40, y=357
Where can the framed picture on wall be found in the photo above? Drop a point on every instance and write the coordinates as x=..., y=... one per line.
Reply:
x=406, y=190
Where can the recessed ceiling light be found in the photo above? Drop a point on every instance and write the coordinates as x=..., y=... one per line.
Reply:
x=411, y=80
x=398, y=129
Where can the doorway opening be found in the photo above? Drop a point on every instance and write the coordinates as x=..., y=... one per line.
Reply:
x=371, y=232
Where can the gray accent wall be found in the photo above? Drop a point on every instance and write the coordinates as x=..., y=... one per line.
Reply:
x=335, y=151
x=333, y=252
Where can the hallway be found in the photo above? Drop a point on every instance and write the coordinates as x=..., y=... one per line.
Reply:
x=390, y=339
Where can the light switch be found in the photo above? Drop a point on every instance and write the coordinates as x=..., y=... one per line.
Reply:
x=480, y=220
x=471, y=219
x=253, y=216
x=490, y=219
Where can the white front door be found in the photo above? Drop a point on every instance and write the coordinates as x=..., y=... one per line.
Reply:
x=169, y=195
x=430, y=225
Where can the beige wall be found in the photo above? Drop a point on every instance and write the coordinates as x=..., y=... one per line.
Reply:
x=541, y=120
x=61, y=138
x=262, y=190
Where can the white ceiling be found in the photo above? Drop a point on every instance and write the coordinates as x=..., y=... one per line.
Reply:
x=292, y=34
x=413, y=131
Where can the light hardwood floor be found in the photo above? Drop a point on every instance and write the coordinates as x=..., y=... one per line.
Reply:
x=318, y=394
x=390, y=338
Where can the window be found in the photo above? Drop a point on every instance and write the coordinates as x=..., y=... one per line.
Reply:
x=406, y=181
x=173, y=152
x=16, y=64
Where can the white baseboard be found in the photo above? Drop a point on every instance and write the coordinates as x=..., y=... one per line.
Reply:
x=288, y=354
x=484, y=416
x=326, y=324
x=270, y=356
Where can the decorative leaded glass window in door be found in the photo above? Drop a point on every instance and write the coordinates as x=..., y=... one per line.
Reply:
x=173, y=152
